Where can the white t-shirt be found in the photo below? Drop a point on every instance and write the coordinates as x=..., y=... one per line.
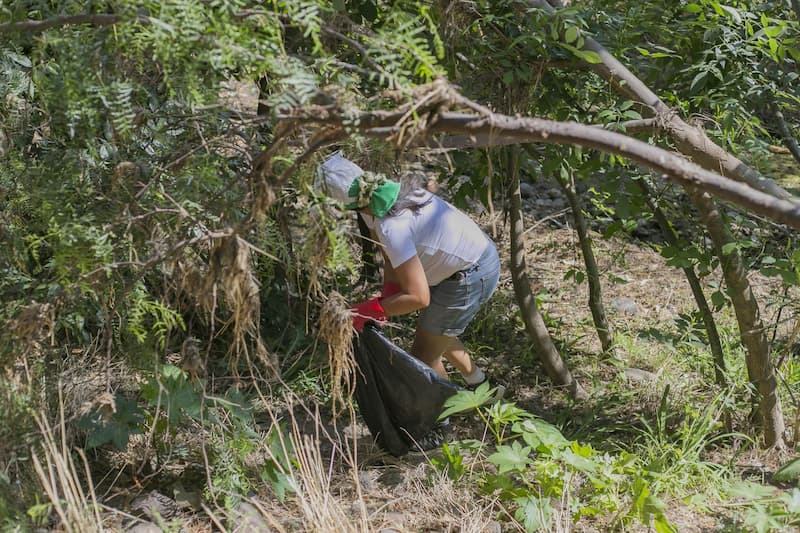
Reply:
x=445, y=239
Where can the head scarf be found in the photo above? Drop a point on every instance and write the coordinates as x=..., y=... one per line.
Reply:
x=347, y=183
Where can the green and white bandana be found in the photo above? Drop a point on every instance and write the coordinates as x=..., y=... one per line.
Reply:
x=375, y=191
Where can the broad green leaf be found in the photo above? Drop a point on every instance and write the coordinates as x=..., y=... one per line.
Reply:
x=728, y=248
x=693, y=8
x=762, y=520
x=465, y=400
x=540, y=435
x=511, y=458
x=571, y=35
x=126, y=421
x=698, y=80
x=789, y=471
x=173, y=392
x=733, y=13
x=792, y=501
x=662, y=525
x=536, y=514
x=751, y=491
x=577, y=462
x=590, y=56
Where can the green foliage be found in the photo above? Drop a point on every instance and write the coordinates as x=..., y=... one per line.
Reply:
x=535, y=466
x=765, y=509
x=126, y=420
x=171, y=391
x=148, y=319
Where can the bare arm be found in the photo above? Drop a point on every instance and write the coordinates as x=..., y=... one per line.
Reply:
x=415, y=293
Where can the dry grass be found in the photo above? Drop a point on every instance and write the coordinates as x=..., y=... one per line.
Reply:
x=76, y=507
x=230, y=274
x=336, y=330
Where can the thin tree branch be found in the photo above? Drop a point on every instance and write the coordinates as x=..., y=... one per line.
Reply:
x=692, y=140
x=38, y=26
x=786, y=133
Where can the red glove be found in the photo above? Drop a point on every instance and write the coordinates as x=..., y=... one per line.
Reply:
x=390, y=288
x=366, y=312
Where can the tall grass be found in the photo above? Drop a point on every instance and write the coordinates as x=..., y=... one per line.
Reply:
x=75, y=506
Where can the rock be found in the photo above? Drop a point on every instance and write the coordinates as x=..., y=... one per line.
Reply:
x=493, y=527
x=154, y=504
x=368, y=480
x=391, y=477
x=526, y=190
x=248, y=518
x=395, y=519
x=625, y=305
x=640, y=376
x=144, y=527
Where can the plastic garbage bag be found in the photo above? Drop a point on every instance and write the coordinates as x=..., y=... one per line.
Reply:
x=399, y=396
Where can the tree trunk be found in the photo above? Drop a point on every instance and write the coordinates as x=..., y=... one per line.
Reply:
x=592, y=272
x=786, y=133
x=694, y=143
x=534, y=323
x=751, y=328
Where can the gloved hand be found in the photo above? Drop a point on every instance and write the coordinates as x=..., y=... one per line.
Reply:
x=367, y=311
x=390, y=288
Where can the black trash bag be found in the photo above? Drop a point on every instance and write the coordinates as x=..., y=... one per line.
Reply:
x=399, y=396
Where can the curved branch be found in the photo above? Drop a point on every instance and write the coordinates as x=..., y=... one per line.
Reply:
x=672, y=166
x=381, y=124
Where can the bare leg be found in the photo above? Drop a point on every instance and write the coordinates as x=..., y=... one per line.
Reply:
x=429, y=348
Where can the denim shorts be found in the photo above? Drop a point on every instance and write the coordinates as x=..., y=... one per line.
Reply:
x=455, y=301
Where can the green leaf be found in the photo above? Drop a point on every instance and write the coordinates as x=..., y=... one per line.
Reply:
x=662, y=525
x=536, y=514
x=751, y=491
x=540, y=435
x=732, y=12
x=571, y=35
x=762, y=520
x=693, y=8
x=698, y=81
x=589, y=56
x=465, y=400
x=127, y=420
x=511, y=458
x=577, y=462
x=789, y=471
x=792, y=501
x=728, y=248
x=171, y=389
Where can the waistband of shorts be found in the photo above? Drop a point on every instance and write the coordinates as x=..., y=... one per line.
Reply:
x=474, y=266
